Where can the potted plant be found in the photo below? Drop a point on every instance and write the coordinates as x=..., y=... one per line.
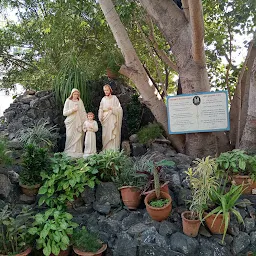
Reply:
x=86, y=243
x=14, y=236
x=221, y=205
x=52, y=230
x=34, y=160
x=108, y=164
x=130, y=183
x=67, y=180
x=158, y=203
x=240, y=167
x=141, y=166
x=202, y=179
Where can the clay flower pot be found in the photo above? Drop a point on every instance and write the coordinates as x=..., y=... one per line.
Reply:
x=25, y=253
x=217, y=226
x=190, y=226
x=163, y=188
x=131, y=196
x=30, y=190
x=155, y=213
x=98, y=253
x=62, y=253
x=247, y=182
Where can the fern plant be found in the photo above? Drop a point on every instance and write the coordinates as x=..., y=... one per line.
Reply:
x=149, y=133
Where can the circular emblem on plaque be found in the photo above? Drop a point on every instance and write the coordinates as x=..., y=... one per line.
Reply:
x=196, y=100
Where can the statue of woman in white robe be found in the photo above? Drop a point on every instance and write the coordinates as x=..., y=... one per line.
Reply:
x=76, y=115
x=110, y=116
x=90, y=127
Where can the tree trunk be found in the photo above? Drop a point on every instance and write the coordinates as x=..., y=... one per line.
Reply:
x=248, y=140
x=134, y=70
x=192, y=68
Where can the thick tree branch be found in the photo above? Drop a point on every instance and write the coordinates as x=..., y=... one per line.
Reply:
x=197, y=27
x=161, y=54
x=185, y=8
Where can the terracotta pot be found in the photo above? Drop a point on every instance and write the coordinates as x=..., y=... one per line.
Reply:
x=217, y=226
x=98, y=253
x=164, y=188
x=246, y=181
x=131, y=196
x=62, y=253
x=190, y=227
x=155, y=213
x=26, y=252
x=30, y=190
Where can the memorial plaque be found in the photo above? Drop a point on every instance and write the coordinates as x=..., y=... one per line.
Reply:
x=201, y=112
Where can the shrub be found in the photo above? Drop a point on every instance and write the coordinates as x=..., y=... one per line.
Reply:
x=86, y=241
x=35, y=160
x=67, y=179
x=149, y=133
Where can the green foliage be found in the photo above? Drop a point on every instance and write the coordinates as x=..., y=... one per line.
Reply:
x=134, y=113
x=72, y=75
x=51, y=231
x=202, y=180
x=40, y=134
x=237, y=162
x=225, y=204
x=159, y=203
x=34, y=161
x=67, y=179
x=129, y=177
x=149, y=133
x=145, y=168
x=5, y=153
x=85, y=241
x=14, y=236
x=108, y=164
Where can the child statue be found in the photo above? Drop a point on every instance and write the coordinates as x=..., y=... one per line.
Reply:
x=90, y=127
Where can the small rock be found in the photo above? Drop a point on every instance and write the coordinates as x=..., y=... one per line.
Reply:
x=126, y=147
x=133, y=138
x=249, y=224
x=102, y=208
x=240, y=242
x=204, y=232
x=27, y=199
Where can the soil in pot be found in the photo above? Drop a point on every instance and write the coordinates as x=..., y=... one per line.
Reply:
x=131, y=196
x=190, y=226
x=158, y=213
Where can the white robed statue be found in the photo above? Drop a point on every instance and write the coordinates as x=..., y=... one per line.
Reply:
x=76, y=115
x=110, y=116
x=90, y=127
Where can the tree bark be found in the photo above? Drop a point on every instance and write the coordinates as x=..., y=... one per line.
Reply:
x=248, y=140
x=240, y=101
x=192, y=67
x=134, y=70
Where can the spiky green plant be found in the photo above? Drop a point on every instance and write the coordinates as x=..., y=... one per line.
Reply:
x=225, y=204
x=72, y=75
x=39, y=135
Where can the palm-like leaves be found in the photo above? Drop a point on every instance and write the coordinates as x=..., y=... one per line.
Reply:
x=226, y=203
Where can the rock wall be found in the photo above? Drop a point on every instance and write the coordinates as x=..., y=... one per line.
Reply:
x=134, y=233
